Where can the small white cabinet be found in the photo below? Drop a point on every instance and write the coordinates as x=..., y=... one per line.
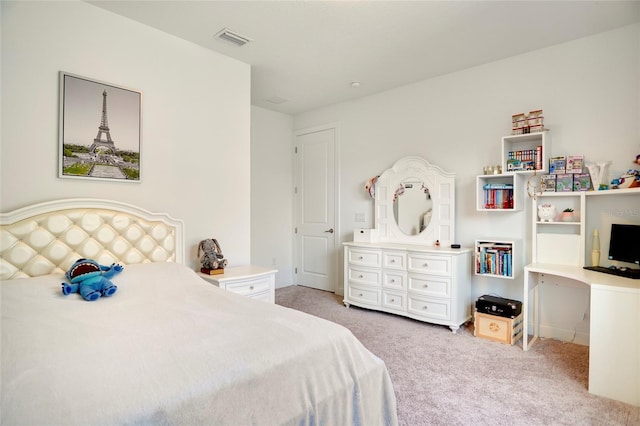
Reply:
x=424, y=283
x=252, y=281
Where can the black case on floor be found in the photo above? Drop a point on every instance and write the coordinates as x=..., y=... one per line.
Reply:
x=498, y=306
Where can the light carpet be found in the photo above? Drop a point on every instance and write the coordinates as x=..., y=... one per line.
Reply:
x=442, y=378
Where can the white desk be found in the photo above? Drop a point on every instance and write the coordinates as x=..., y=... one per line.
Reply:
x=614, y=327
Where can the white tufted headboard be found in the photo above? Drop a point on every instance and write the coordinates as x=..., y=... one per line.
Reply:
x=48, y=237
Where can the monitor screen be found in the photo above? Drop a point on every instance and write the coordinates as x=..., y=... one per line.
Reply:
x=624, y=245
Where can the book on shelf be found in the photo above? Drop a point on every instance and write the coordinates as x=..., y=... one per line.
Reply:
x=494, y=259
x=575, y=163
x=581, y=182
x=539, y=157
x=208, y=271
x=557, y=165
x=548, y=183
x=564, y=182
x=498, y=196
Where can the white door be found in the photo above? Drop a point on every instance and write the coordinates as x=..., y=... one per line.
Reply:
x=315, y=208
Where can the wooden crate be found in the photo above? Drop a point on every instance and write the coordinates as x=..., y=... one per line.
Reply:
x=498, y=329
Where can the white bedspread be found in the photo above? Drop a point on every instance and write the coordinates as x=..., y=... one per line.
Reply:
x=169, y=348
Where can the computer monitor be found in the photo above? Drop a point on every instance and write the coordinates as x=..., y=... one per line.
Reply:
x=624, y=245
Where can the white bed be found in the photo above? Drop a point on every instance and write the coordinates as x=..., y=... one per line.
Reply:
x=166, y=348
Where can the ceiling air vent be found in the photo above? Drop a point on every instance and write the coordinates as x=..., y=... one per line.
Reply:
x=227, y=35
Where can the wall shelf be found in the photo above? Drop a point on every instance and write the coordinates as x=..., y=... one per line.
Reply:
x=491, y=196
x=524, y=148
x=498, y=258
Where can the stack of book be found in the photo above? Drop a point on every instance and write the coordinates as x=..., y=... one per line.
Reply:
x=498, y=196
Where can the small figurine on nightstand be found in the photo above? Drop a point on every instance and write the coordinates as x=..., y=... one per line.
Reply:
x=210, y=254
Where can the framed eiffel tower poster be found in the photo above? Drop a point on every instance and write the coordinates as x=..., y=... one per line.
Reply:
x=100, y=130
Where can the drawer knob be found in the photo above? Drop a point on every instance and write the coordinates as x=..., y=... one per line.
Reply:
x=425, y=308
x=425, y=265
x=360, y=258
x=393, y=281
x=392, y=261
x=426, y=286
x=361, y=276
x=251, y=288
x=361, y=295
x=393, y=300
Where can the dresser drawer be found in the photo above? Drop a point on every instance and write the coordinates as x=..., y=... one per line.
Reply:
x=430, y=285
x=364, y=295
x=423, y=263
x=363, y=257
x=394, y=260
x=394, y=279
x=429, y=308
x=366, y=276
x=250, y=287
x=393, y=300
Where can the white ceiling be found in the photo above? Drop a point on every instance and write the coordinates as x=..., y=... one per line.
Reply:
x=308, y=52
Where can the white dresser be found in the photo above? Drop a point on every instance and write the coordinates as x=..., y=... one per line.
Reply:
x=251, y=281
x=417, y=281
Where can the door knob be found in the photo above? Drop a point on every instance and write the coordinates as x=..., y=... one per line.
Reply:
x=329, y=231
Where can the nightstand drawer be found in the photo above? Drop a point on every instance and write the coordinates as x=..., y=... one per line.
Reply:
x=251, y=281
x=250, y=287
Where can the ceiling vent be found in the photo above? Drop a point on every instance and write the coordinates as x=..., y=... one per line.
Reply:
x=227, y=35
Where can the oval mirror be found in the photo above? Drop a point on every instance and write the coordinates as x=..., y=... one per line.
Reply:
x=412, y=206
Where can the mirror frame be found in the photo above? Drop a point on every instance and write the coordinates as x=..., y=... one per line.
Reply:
x=441, y=186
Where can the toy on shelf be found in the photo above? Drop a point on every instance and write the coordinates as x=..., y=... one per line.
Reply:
x=547, y=212
x=631, y=179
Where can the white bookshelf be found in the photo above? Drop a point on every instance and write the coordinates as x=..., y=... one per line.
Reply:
x=498, y=258
x=527, y=142
x=515, y=180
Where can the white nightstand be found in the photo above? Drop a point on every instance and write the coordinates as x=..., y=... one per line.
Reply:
x=251, y=281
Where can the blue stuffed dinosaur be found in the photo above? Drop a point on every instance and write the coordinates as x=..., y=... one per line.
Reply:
x=90, y=279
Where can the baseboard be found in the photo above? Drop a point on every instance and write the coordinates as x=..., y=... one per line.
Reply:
x=568, y=336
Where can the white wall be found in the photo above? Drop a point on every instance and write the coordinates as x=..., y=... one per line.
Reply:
x=589, y=91
x=271, y=192
x=196, y=118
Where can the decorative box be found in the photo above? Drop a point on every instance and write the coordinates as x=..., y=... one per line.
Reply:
x=365, y=235
x=498, y=329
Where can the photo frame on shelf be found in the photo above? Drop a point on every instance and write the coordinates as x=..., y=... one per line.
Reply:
x=100, y=130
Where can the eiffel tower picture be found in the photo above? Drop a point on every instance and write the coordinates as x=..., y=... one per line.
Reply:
x=104, y=128
x=87, y=157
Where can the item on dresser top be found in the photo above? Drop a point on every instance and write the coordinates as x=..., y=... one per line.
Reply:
x=494, y=305
x=365, y=235
x=210, y=254
x=90, y=279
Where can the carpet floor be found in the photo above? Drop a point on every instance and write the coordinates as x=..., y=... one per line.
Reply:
x=442, y=378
